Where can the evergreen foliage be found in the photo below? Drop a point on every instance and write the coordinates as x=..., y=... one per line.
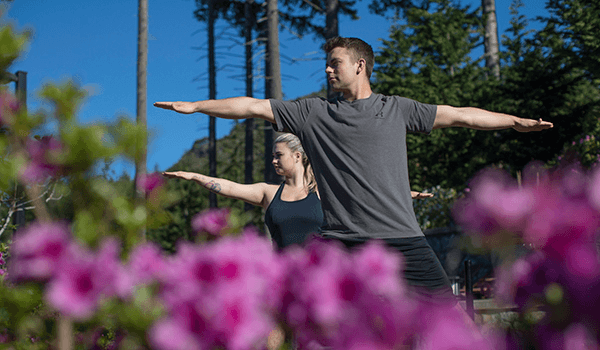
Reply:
x=428, y=59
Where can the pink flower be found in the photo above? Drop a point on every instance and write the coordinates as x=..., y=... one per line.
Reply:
x=380, y=269
x=445, y=327
x=146, y=262
x=347, y=301
x=581, y=261
x=83, y=279
x=37, y=250
x=220, y=295
x=8, y=107
x=75, y=291
x=149, y=182
x=161, y=334
x=574, y=337
x=43, y=163
x=494, y=204
x=211, y=221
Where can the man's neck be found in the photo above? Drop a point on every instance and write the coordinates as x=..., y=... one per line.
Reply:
x=363, y=91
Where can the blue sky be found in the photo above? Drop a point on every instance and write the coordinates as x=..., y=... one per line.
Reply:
x=95, y=43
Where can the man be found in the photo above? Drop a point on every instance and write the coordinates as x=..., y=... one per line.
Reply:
x=357, y=147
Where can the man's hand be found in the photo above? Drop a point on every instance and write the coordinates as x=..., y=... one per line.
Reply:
x=179, y=107
x=527, y=125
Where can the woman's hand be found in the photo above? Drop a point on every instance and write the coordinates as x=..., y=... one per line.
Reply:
x=420, y=195
x=178, y=175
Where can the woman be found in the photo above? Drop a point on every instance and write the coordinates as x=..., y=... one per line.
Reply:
x=293, y=209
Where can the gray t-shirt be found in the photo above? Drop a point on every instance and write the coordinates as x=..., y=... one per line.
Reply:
x=358, y=152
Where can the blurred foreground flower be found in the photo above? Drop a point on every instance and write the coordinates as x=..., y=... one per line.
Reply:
x=8, y=107
x=557, y=215
x=149, y=182
x=212, y=221
x=347, y=301
x=84, y=280
x=43, y=155
x=37, y=250
x=221, y=295
x=77, y=278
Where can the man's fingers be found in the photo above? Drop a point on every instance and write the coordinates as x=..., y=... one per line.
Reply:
x=534, y=125
x=165, y=105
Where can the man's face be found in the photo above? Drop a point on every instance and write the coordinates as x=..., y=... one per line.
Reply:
x=341, y=69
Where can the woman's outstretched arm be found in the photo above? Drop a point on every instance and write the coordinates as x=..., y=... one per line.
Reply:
x=259, y=194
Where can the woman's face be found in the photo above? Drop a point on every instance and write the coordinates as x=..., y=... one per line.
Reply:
x=284, y=160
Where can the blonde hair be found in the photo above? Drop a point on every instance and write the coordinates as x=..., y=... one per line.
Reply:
x=294, y=144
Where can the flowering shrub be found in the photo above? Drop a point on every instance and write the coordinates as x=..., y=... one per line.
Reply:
x=557, y=215
x=584, y=151
x=95, y=274
x=231, y=293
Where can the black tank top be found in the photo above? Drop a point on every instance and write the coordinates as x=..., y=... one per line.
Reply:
x=291, y=222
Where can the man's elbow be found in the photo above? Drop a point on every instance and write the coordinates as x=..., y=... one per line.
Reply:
x=448, y=116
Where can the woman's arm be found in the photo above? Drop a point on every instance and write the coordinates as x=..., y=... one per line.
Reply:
x=259, y=194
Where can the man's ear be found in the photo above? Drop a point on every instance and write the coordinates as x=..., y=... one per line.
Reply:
x=362, y=65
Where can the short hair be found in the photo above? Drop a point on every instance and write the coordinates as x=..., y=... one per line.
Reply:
x=356, y=46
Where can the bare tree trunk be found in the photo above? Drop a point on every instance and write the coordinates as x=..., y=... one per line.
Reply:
x=212, y=92
x=331, y=29
x=272, y=82
x=249, y=151
x=491, y=46
x=142, y=65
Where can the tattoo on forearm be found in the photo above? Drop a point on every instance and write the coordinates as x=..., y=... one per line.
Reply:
x=213, y=186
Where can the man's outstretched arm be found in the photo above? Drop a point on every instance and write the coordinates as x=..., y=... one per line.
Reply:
x=228, y=108
x=480, y=119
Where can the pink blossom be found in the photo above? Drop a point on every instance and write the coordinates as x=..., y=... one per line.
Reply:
x=494, y=204
x=149, y=182
x=380, y=269
x=550, y=212
x=74, y=291
x=342, y=301
x=445, y=327
x=83, y=279
x=37, y=250
x=161, y=334
x=220, y=295
x=211, y=221
x=574, y=337
x=146, y=262
x=581, y=260
x=8, y=107
x=43, y=155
